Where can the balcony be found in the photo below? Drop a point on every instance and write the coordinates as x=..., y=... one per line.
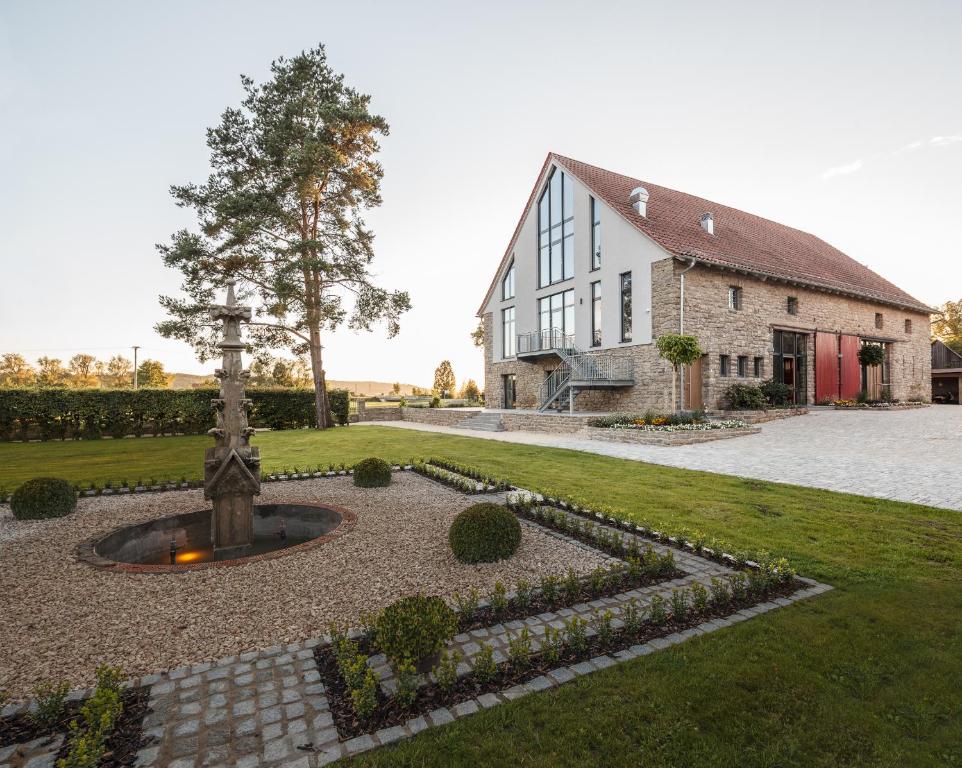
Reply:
x=543, y=343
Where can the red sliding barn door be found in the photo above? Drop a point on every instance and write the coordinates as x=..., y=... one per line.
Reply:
x=851, y=376
x=826, y=366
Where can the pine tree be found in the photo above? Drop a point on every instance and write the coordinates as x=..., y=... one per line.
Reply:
x=294, y=167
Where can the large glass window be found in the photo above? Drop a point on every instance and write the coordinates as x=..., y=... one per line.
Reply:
x=507, y=285
x=788, y=363
x=626, y=306
x=556, y=231
x=509, y=339
x=596, y=314
x=557, y=312
x=595, y=234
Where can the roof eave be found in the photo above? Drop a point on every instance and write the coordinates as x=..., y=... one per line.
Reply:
x=805, y=283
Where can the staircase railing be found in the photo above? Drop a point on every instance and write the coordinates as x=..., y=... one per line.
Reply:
x=554, y=385
x=549, y=340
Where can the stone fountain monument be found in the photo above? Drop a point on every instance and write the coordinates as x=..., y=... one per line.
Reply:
x=232, y=468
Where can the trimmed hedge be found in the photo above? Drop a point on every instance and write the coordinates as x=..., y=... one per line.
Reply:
x=58, y=414
x=484, y=533
x=43, y=498
x=372, y=473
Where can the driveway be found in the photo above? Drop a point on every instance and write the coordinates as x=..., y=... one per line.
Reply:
x=904, y=455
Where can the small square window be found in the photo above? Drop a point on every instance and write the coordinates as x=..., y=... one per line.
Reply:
x=792, y=305
x=725, y=365
x=908, y=326
x=758, y=367
x=742, y=366
x=879, y=320
x=734, y=297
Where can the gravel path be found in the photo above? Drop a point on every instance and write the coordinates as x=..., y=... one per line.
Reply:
x=61, y=618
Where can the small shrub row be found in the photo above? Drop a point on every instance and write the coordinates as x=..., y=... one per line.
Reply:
x=555, y=591
x=359, y=678
x=682, y=537
x=579, y=638
x=748, y=397
x=450, y=479
x=471, y=472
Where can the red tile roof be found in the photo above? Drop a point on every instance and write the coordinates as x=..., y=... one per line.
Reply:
x=741, y=241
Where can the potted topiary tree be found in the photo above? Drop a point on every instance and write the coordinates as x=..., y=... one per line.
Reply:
x=678, y=349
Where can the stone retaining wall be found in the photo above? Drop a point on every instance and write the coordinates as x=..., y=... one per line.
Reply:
x=442, y=417
x=544, y=422
x=645, y=437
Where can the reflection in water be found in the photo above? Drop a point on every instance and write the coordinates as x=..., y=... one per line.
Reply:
x=187, y=538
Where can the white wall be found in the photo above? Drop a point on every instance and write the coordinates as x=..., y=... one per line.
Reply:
x=624, y=249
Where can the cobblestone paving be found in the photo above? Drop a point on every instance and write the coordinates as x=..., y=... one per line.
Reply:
x=911, y=452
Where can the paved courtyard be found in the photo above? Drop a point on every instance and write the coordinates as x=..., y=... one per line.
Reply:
x=909, y=455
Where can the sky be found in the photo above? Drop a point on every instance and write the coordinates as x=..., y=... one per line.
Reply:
x=839, y=118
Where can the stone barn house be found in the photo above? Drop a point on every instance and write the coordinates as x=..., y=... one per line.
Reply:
x=600, y=265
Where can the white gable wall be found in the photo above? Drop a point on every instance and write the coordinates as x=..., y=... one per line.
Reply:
x=624, y=249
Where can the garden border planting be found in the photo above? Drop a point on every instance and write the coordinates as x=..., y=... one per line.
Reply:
x=337, y=695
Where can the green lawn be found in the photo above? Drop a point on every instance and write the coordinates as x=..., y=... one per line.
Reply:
x=869, y=674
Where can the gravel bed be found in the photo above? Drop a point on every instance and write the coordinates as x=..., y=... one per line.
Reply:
x=61, y=618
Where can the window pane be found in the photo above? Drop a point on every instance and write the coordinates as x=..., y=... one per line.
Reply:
x=568, y=203
x=555, y=191
x=596, y=314
x=626, y=306
x=569, y=257
x=544, y=273
x=544, y=313
x=555, y=262
x=543, y=212
x=569, y=312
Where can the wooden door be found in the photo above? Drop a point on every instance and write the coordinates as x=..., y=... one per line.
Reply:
x=826, y=366
x=873, y=382
x=850, y=378
x=693, y=386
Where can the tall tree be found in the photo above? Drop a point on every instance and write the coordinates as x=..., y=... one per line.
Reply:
x=470, y=391
x=118, y=373
x=444, y=381
x=151, y=375
x=50, y=372
x=948, y=325
x=16, y=372
x=82, y=371
x=293, y=169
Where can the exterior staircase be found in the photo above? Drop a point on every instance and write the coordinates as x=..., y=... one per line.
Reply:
x=578, y=370
x=482, y=421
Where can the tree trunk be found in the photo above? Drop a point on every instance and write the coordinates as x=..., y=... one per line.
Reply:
x=674, y=380
x=322, y=408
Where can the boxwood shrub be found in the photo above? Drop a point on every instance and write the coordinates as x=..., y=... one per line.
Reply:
x=43, y=497
x=372, y=473
x=414, y=628
x=484, y=533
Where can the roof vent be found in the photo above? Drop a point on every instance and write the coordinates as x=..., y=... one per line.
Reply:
x=708, y=223
x=639, y=200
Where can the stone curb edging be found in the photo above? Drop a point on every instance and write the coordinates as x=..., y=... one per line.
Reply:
x=666, y=438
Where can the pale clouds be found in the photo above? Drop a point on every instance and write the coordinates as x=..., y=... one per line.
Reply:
x=843, y=170
x=857, y=165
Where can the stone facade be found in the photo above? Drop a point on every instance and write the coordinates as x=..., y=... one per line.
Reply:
x=722, y=331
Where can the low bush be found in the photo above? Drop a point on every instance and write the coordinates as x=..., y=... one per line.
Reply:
x=745, y=397
x=484, y=533
x=42, y=498
x=414, y=628
x=776, y=393
x=372, y=473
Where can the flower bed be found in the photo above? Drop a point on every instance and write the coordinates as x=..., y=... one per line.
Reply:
x=876, y=405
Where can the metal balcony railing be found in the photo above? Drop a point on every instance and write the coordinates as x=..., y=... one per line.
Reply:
x=549, y=340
